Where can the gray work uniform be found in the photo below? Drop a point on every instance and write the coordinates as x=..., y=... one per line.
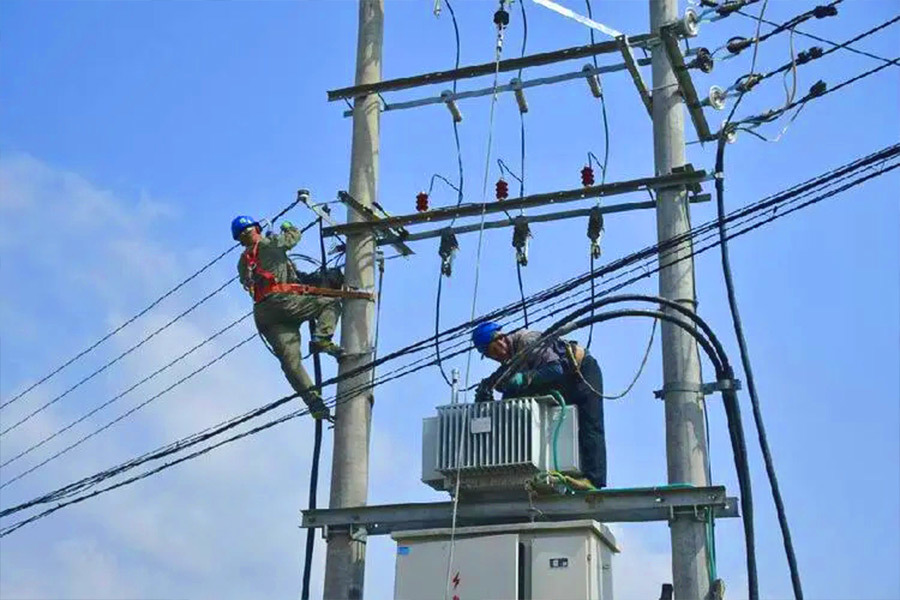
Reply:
x=279, y=316
x=580, y=385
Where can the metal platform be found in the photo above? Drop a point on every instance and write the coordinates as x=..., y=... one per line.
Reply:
x=607, y=506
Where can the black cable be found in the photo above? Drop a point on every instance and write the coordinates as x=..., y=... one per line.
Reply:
x=590, y=14
x=96, y=372
x=522, y=158
x=121, y=394
x=836, y=47
x=120, y=327
x=812, y=95
x=437, y=327
x=459, y=160
x=139, y=314
x=748, y=372
x=317, y=448
x=127, y=413
x=845, y=46
x=763, y=205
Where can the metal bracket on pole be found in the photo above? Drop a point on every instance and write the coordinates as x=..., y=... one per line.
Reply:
x=631, y=65
x=544, y=218
x=609, y=506
x=685, y=83
x=511, y=64
x=391, y=236
x=535, y=200
x=703, y=389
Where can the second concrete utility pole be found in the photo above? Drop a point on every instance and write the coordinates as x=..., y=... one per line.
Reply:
x=686, y=455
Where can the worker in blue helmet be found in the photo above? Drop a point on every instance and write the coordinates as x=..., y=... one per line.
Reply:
x=269, y=275
x=560, y=365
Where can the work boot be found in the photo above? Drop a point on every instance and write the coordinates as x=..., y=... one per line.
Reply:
x=317, y=408
x=327, y=346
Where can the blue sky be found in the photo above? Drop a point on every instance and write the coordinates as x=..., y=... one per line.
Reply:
x=132, y=132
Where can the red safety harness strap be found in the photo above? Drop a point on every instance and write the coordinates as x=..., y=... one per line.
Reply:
x=263, y=283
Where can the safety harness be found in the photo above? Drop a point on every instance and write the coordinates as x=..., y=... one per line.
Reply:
x=263, y=283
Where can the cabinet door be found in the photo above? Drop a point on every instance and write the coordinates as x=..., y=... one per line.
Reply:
x=560, y=569
x=483, y=567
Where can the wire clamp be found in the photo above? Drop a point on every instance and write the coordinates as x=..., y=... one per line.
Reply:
x=721, y=386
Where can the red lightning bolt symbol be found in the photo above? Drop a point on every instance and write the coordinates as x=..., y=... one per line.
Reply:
x=456, y=580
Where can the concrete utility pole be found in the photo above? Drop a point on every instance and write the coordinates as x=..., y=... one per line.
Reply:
x=685, y=426
x=346, y=556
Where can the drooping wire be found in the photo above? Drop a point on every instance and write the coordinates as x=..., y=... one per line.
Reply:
x=437, y=328
x=110, y=363
x=640, y=368
x=121, y=394
x=119, y=328
x=762, y=207
x=590, y=14
x=129, y=412
x=459, y=194
x=138, y=315
x=748, y=372
x=522, y=157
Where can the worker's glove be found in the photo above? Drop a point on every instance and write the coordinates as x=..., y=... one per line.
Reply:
x=514, y=384
x=287, y=225
x=485, y=391
x=318, y=410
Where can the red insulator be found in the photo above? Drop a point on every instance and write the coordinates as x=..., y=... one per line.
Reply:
x=587, y=176
x=421, y=202
x=502, y=189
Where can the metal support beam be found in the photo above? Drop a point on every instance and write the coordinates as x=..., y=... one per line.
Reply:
x=632, y=66
x=513, y=86
x=556, y=216
x=512, y=64
x=685, y=83
x=386, y=236
x=672, y=180
x=607, y=506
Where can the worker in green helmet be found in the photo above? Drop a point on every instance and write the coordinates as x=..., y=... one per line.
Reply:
x=269, y=275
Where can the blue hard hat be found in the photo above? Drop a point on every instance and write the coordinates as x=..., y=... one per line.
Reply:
x=483, y=335
x=241, y=223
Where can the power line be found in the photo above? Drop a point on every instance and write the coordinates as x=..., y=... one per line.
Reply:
x=120, y=327
x=844, y=46
x=816, y=92
x=141, y=313
x=121, y=394
x=128, y=413
x=103, y=368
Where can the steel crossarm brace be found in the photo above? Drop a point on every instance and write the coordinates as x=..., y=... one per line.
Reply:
x=555, y=216
x=607, y=506
x=685, y=84
x=511, y=87
x=471, y=210
x=386, y=236
x=511, y=64
x=632, y=66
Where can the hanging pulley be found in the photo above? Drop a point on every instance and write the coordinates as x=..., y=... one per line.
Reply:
x=521, y=233
x=595, y=230
x=447, y=251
